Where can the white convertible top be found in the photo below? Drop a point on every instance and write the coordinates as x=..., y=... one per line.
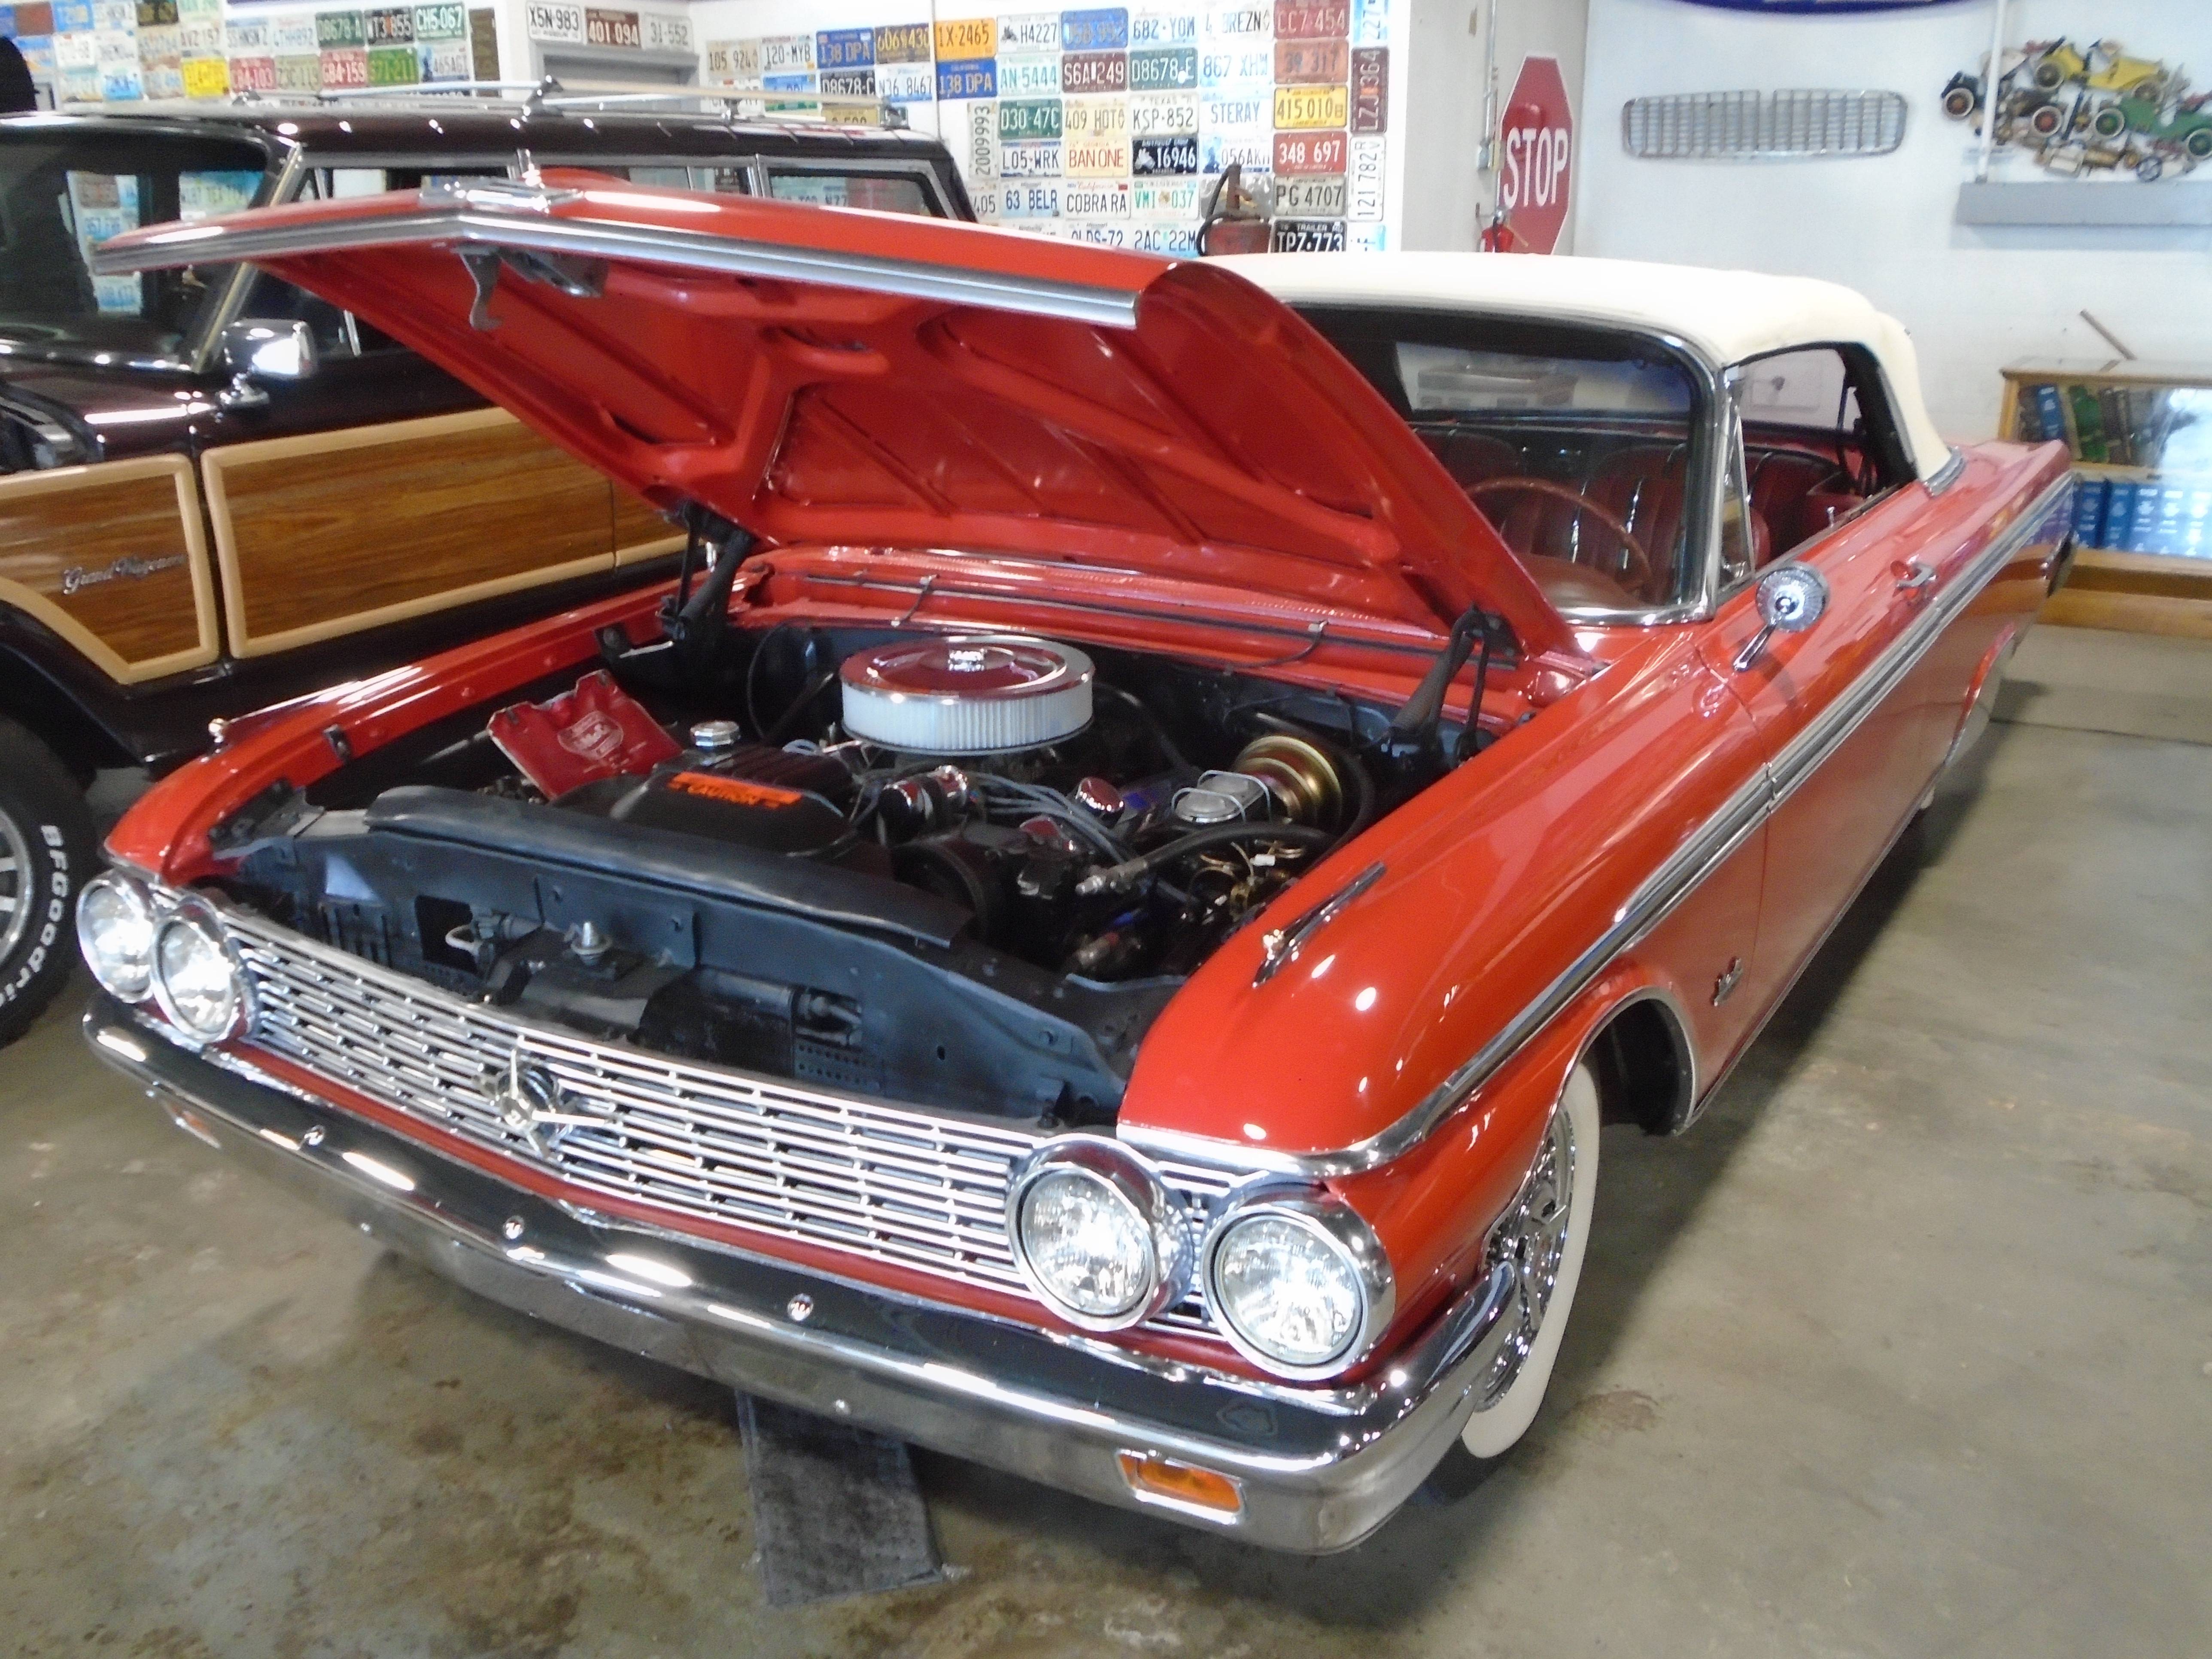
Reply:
x=1725, y=316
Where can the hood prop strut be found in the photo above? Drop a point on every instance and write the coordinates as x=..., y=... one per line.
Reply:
x=695, y=619
x=1479, y=633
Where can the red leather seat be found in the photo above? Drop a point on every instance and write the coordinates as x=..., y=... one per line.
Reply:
x=1783, y=484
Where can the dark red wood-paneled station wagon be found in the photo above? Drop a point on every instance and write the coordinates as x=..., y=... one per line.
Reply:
x=1094, y=929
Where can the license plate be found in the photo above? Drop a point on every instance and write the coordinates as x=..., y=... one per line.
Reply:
x=1094, y=71
x=1312, y=20
x=1029, y=77
x=1311, y=106
x=1040, y=119
x=1309, y=152
x=1154, y=114
x=1030, y=160
x=1096, y=117
x=1098, y=158
x=1150, y=157
x=1099, y=201
x=1307, y=196
x=1313, y=62
x=1308, y=236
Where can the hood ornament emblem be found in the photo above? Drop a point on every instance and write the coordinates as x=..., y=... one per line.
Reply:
x=532, y=1104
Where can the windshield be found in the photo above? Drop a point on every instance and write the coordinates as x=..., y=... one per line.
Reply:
x=63, y=190
x=1577, y=444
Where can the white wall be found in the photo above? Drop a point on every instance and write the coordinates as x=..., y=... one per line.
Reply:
x=1446, y=199
x=1974, y=298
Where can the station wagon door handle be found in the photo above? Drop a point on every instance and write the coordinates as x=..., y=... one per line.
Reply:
x=1912, y=576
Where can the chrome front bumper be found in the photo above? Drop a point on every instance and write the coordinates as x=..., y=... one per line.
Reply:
x=1319, y=1469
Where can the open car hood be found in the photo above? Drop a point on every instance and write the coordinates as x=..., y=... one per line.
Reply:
x=819, y=375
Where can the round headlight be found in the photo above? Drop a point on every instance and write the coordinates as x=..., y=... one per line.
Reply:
x=1096, y=1233
x=115, y=931
x=1300, y=1285
x=197, y=981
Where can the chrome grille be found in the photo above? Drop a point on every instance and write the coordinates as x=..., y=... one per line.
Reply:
x=893, y=1184
x=1752, y=126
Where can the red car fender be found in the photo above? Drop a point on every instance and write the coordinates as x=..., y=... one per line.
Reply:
x=165, y=834
x=1433, y=1208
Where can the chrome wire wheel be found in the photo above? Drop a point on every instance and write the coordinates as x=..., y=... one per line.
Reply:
x=17, y=888
x=1545, y=1232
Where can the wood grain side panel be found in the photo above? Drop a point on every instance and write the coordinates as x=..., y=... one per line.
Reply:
x=641, y=532
x=323, y=535
x=113, y=558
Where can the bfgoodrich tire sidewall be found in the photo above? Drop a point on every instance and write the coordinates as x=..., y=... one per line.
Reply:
x=43, y=804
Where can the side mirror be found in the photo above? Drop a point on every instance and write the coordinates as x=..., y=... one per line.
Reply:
x=1791, y=599
x=261, y=350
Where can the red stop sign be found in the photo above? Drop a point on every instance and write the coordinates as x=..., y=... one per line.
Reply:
x=1536, y=155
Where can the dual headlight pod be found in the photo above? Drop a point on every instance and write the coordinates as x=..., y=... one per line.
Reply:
x=1296, y=1280
x=139, y=945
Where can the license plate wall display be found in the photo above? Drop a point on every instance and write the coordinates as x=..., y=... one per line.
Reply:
x=124, y=51
x=1111, y=125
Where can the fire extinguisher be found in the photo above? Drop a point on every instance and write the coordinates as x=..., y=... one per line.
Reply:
x=1499, y=235
x=1234, y=219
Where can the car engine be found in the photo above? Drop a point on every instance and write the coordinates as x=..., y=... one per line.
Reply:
x=958, y=869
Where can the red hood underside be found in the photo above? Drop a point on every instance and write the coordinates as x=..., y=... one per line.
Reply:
x=824, y=376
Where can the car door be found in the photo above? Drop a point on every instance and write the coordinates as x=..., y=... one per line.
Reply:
x=1844, y=719
x=313, y=487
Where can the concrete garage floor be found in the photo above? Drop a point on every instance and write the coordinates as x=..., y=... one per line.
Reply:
x=1907, y=1350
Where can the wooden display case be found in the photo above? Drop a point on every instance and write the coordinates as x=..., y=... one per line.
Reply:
x=2141, y=434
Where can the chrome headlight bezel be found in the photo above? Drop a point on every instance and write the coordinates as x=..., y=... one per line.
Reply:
x=137, y=897
x=1340, y=1229
x=1125, y=1178
x=200, y=917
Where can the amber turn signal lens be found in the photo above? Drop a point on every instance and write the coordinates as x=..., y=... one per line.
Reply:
x=1157, y=1479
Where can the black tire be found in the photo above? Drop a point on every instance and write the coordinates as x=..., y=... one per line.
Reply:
x=47, y=854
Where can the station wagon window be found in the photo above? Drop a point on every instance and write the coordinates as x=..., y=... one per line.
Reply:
x=64, y=191
x=1816, y=445
x=1578, y=445
x=878, y=192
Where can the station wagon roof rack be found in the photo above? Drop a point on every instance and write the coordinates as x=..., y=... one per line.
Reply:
x=549, y=95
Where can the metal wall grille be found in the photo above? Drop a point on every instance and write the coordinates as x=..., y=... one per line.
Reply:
x=1760, y=126
x=893, y=1184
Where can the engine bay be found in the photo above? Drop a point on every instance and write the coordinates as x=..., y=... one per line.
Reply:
x=957, y=869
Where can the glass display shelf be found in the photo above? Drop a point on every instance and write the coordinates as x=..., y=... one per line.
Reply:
x=2141, y=437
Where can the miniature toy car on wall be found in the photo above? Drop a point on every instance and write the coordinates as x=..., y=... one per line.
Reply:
x=2095, y=109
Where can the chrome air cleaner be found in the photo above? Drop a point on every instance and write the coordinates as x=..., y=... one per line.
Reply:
x=977, y=693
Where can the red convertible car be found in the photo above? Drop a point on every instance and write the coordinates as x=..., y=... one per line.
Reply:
x=1096, y=926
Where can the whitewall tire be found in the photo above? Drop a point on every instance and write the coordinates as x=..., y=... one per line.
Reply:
x=1547, y=1228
